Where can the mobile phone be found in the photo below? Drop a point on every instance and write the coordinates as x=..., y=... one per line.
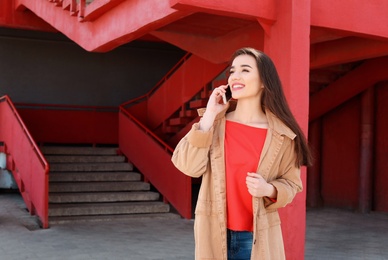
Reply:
x=228, y=95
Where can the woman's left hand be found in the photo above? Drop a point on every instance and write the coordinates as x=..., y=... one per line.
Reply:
x=259, y=187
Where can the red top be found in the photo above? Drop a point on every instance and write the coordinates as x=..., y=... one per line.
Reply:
x=243, y=146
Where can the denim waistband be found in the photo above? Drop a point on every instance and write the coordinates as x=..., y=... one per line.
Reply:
x=237, y=231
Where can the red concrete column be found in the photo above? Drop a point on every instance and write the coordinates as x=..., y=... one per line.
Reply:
x=366, y=151
x=287, y=42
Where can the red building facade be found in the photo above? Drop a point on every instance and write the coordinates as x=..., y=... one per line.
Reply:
x=331, y=56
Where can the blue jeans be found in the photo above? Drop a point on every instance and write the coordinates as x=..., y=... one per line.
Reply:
x=239, y=245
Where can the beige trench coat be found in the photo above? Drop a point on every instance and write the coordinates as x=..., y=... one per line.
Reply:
x=202, y=154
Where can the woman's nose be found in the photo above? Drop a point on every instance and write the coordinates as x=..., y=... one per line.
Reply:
x=235, y=76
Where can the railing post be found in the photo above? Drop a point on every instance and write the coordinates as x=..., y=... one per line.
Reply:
x=81, y=8
x=366, y=151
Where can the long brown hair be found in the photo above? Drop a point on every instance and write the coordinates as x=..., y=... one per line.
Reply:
x=274, y=100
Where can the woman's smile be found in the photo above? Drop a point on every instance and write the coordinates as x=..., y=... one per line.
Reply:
x=237, y=86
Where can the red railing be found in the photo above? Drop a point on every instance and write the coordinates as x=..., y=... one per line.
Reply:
x=139, y=108
x=179, y=86
x=136, y=141
x=139, y=117
x=87, y=10
x=24, y=159
x=152, y=157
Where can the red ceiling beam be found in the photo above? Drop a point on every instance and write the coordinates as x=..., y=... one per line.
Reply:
x=353, y=83
x=216, y=50
x=263, y=9
x=358, y=17
x=137, y=18
x=318, y=35
x=345, y=50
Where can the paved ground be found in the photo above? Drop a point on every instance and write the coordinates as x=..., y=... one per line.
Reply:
x=331, y=234
x=339, y=234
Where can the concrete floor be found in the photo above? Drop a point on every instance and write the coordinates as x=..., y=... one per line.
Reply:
x=331, y=234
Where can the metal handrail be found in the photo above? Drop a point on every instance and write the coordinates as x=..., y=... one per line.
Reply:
x=27, y=133
x=36, y=200
x=160, y=83
x=146, y=96
x=147, y=130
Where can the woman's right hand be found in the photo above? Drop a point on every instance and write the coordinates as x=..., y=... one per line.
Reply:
x=214, y=106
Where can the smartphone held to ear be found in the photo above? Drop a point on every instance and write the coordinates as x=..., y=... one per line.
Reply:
x=228, y=95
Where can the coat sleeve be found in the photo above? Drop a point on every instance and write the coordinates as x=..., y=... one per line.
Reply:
x=191, y=155
x=288, y=181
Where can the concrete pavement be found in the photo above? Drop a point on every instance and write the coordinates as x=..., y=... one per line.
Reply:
x=331, y=234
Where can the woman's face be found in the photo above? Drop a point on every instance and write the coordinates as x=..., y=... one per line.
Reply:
x=244, y=78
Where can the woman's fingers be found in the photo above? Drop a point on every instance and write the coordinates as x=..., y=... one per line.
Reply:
x=215, y=98
x=256, y=184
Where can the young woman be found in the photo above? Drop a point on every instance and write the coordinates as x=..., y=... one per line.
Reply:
x=249, y=152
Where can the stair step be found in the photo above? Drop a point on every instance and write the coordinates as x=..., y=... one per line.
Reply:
x=102, y=197
x=189, y=113
x=105, y=218
x=89, y=167
x=198, y=103
x=171, y=129
x=206, y=93
x=85, y=159
x=107, y=208
x=98, y=186
x=93, y=176
x=179, y=121
x=67, y=150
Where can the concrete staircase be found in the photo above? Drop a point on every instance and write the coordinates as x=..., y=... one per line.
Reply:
x=97, y=184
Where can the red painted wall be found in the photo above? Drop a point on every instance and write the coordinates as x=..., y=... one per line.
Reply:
x=381, y=149
x=341, y=155
x=71, y=126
